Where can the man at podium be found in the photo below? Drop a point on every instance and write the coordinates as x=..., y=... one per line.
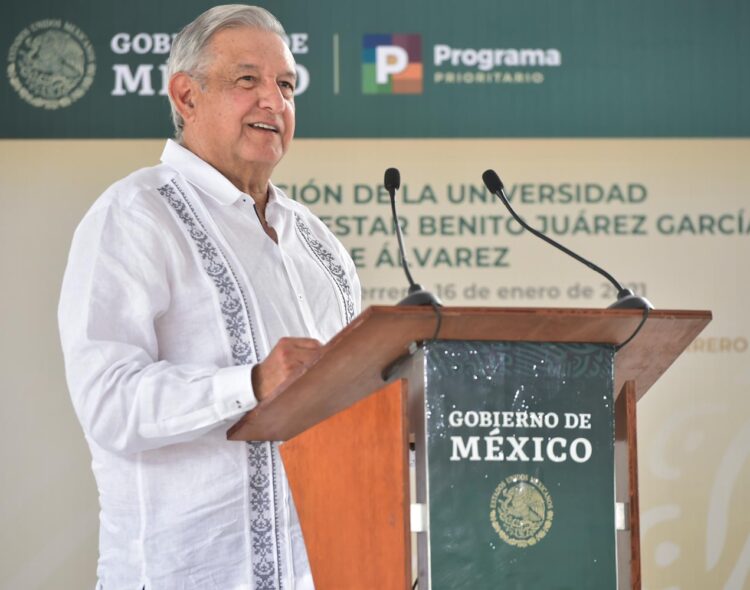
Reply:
x=194, y=288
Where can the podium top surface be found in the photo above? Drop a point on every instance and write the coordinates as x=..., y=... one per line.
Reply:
x=352, y=363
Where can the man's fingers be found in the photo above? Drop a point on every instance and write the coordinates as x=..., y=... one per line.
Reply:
x=297, y=350
x=293, y=352
x=291, y=359
x=286, y=358
x=308, y=343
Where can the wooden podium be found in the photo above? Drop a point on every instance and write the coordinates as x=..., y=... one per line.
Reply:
x=349, y=470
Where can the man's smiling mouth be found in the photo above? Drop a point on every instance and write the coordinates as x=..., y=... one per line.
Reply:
x=264, y=127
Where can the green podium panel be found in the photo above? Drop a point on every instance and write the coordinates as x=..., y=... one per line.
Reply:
x=519, y=441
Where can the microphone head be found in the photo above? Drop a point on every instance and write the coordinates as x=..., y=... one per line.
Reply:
x=392, y=179
x=492, y=181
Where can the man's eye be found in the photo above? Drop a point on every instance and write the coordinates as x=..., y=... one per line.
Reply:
x=287, y=86
x=247, y=79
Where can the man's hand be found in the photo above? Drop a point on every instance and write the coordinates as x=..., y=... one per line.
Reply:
x=287, y=357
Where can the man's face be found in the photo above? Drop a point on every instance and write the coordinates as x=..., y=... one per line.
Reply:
x=244, y=112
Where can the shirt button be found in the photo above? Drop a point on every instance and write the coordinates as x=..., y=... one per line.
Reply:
x=299, y=297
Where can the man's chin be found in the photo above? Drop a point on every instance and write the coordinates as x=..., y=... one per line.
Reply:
x=263, y=160
x=270, y=151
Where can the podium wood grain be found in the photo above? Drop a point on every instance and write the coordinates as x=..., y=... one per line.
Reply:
x=350, y=482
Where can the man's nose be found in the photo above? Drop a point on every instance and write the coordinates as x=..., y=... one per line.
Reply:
x=271, y=97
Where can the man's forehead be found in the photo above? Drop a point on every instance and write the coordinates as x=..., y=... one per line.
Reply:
x=247, y=47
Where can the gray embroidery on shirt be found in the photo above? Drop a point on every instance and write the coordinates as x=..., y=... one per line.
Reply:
x=263, y=525
x=234, y=310
x=276, y=473
x=329, y=262
x=231, y=298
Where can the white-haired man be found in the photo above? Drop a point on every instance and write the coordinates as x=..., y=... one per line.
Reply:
x=192, y=290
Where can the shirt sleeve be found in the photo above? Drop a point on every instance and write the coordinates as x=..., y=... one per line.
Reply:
x=115, y=288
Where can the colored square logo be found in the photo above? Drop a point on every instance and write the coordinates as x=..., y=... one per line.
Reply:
x=392, y=64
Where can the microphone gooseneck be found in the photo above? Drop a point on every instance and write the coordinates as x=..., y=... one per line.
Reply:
x=392, y=182
x=417, y=295
x=626, y=299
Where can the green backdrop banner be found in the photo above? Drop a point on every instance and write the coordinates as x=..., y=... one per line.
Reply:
x=539, y=68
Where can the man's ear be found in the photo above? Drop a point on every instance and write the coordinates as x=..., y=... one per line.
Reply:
x=183, y=90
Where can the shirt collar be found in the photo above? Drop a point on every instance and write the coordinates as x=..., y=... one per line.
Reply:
x=200, y=173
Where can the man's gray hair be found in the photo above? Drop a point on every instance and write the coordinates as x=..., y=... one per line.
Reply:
x=190, y=52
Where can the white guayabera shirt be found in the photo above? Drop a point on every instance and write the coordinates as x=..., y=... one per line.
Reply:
x=172, y=292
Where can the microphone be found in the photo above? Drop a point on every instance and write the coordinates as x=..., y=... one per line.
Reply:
x=417, y=295
x=626, y=299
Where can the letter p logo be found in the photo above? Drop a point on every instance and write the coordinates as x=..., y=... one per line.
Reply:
x=392, y=64
x=389, y=60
